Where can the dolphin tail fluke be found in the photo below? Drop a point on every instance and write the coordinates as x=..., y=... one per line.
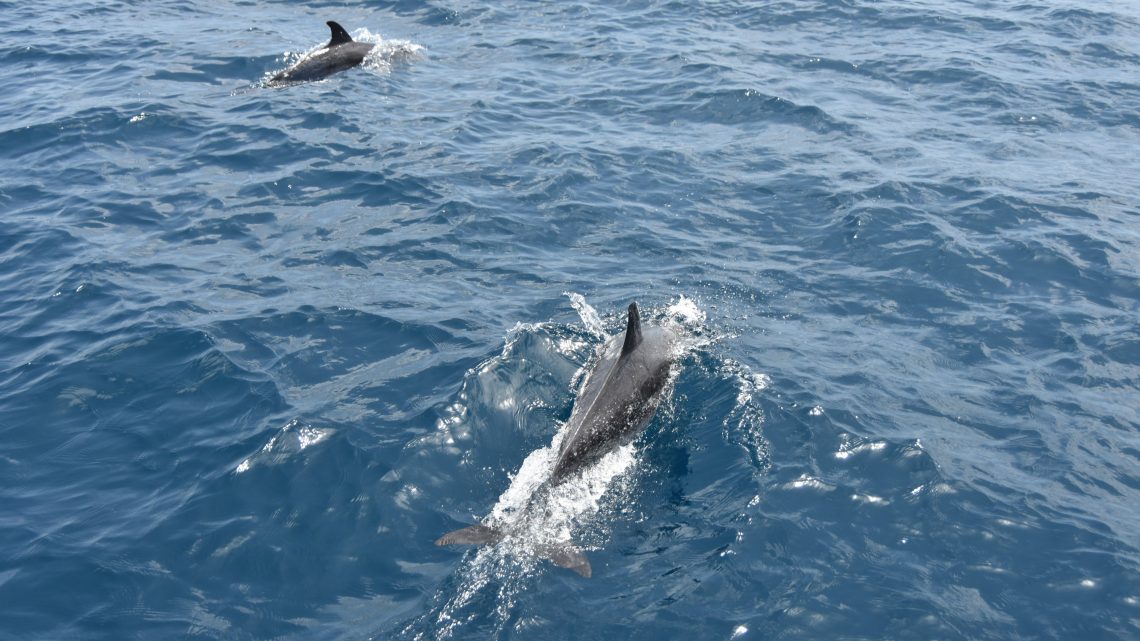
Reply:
x=474, y=535
x=564, y=556
x=570, y=558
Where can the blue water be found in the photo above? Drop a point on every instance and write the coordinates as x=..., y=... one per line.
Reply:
x=259, y=347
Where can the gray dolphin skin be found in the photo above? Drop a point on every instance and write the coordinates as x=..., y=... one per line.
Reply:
x=616, y=402
x=341, y=53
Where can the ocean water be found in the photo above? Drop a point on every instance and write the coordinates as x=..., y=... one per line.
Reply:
x=260, y=347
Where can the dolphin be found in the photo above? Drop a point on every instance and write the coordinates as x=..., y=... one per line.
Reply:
x=617, y=400
x=341, y=53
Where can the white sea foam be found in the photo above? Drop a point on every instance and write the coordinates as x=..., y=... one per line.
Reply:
x=388, y=52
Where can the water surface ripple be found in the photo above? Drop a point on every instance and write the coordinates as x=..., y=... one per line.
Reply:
x=260, y=347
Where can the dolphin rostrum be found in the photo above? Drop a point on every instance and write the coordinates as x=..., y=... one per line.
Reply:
x=341, y=53
x=616, y=401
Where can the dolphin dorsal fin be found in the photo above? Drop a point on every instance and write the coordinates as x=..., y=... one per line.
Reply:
x=632, y=331
x=339, y=35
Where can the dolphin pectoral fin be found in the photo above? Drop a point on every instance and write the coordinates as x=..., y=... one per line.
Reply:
x=569, y=557
x=474, y=535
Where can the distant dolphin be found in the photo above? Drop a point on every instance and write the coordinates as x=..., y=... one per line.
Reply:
x=617, y=400
x=341, y=53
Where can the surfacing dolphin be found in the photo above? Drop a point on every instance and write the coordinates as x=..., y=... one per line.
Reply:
x=617, y=400
x=342, y=52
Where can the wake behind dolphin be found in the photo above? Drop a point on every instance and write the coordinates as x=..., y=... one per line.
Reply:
x=617, y=400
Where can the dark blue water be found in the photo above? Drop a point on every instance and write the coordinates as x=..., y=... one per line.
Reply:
x=259, y=348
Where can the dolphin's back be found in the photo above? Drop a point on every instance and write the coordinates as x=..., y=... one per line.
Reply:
x=326, y=63
x=342, y=52
x=619, y=396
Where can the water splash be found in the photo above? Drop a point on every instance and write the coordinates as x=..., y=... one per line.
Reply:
x=387, y=53
x=535, y=520
x=588, y=314
x=292, y=438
